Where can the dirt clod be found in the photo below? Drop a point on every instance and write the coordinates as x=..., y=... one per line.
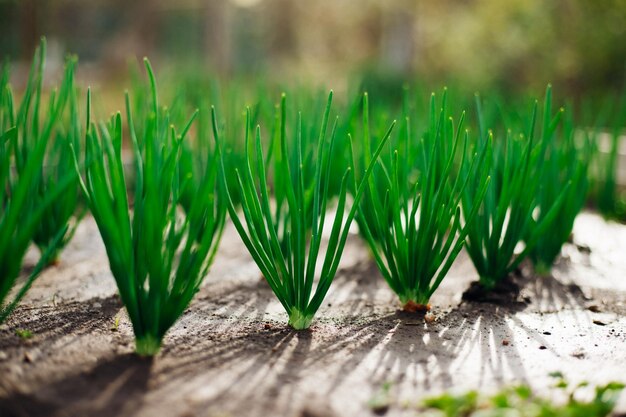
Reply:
x=318, y=410
x=31, y=356
x=430, y=318
x=506, y=292
x=583, y=248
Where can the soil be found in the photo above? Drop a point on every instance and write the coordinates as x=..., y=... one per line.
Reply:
x=505, y=292
x=231, y=354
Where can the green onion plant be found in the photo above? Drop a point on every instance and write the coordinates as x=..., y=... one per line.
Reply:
x=285, y=241
x=566, y=162
x=508, y=217
x=610, y=196
x=159, y=254
x=24, y=136
x=61, y=216
x=410, y=214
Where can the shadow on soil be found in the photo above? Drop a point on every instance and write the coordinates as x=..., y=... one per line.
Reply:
x=112, y=388
x=50, y=323
x=224, y=342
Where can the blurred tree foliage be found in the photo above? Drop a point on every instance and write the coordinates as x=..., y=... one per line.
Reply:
x=580, y=45
x=510, y=45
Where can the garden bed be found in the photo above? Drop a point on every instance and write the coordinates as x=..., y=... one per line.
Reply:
x=232, y=352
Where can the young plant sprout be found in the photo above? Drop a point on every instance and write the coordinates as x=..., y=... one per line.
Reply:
x=158, y=256
x=416, y=218
x=566, y=163
x=505, y=219
x=24, y=139
x=285, y=243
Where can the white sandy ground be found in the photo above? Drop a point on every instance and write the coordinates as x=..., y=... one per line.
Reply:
x=231, y=353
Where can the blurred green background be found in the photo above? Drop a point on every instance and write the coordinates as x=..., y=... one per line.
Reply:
x=506, y=45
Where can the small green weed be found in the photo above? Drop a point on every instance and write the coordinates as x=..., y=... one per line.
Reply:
x=521, y=401
x=24, y=334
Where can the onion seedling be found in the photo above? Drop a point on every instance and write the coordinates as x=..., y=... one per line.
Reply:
x=158, y=256
x=505, y=218
x=411, y=215
x=24, y=139
x=285, y=243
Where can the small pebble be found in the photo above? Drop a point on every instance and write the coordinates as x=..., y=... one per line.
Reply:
x=547, y=333
x=505, y=342
x=30, y=357
x=96, y=305
x=542, y=347
x=430, y=318
x=317, y=408
x=3, y=356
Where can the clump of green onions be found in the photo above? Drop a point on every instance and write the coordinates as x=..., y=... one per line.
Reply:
x=59, y=162
x=566, y=162
x=410, y=215
x=505, y=218
x=285, y=242
x=610, y=198
x=158, y=256
x=24, y=138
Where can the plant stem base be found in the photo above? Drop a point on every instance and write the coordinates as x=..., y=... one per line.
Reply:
x=299, y=321
x=147, y=345
x=413, y=307
x=542, y=269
